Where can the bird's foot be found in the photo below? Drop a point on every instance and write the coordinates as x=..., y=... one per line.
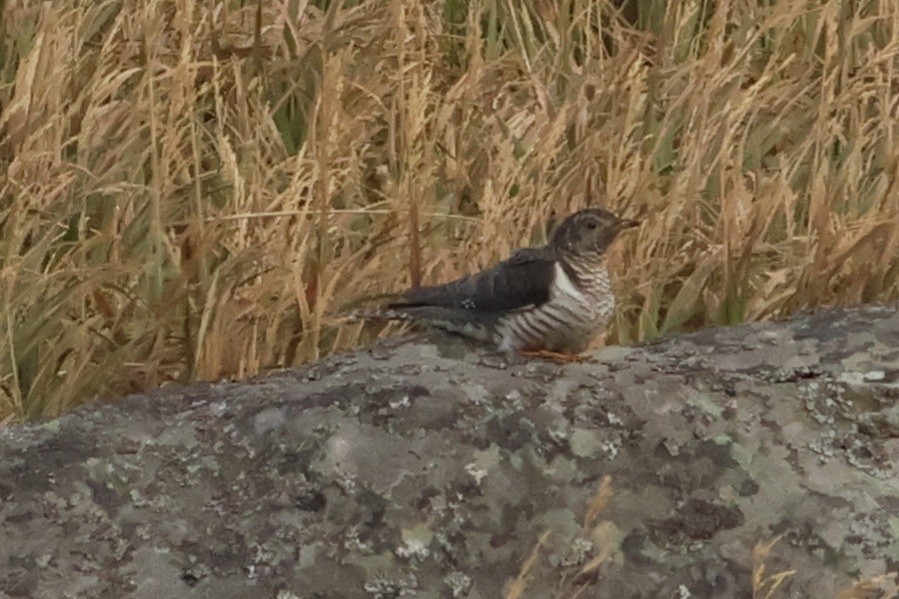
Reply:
x=552, y=356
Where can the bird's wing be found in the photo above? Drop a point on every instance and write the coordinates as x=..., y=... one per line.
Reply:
x=521, y=281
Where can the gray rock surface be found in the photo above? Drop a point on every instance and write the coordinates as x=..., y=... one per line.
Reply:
x=421, y=470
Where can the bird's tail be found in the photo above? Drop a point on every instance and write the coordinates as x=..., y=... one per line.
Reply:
x=377, y=314
x=354, y=304
x=481, y=327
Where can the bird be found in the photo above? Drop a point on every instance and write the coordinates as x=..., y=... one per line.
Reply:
x=550, y=301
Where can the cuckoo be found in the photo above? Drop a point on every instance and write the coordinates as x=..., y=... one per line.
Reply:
x=553, y=299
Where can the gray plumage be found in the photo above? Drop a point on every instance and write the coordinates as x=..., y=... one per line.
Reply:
x=555, y=298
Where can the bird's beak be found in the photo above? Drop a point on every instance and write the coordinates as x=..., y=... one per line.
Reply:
x=627, y=223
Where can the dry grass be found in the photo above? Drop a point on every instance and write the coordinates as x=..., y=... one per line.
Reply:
x=188, y=189
x=878, y=587
x=577, y=580
x=764, y=586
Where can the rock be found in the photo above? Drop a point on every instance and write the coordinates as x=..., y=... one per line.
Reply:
x=674, y=469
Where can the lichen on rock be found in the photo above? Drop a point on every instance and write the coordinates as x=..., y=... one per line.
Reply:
x=406, y=470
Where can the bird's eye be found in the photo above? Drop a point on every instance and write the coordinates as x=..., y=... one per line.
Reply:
x=591, y=225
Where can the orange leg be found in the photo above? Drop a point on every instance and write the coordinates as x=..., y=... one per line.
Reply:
x=554, y=356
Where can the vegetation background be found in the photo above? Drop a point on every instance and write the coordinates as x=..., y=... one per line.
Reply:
x=189, y=189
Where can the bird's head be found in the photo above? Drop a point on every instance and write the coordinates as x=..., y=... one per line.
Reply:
x=589, y=232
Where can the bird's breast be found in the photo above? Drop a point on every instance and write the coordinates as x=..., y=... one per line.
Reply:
x=590, y=299
x=577, y=310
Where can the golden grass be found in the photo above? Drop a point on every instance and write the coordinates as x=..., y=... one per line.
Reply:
x=575, y=579
x=605, y=538
x=764, y=586
x=883, y=586
x=187, y=190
